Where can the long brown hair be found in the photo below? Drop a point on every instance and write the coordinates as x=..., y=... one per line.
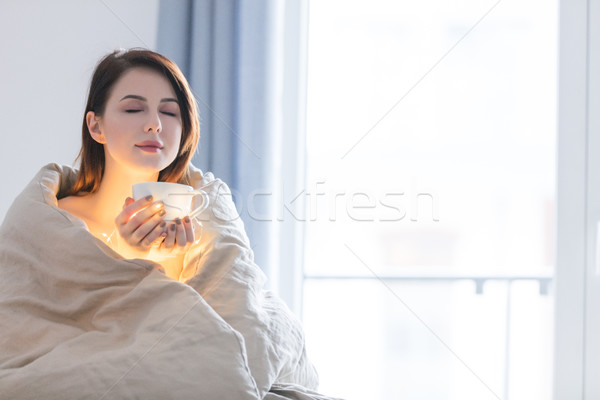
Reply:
x=108, y=71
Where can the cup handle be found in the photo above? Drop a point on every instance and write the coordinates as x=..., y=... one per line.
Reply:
x=195, y=212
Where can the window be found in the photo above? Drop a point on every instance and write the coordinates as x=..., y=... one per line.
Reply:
x=431, y=140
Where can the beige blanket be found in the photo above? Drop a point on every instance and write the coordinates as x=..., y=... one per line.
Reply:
x=79, y=321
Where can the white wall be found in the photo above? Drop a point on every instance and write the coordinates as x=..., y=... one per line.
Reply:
x=48, y=52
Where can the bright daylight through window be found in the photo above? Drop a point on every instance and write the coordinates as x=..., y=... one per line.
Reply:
x=429, y=232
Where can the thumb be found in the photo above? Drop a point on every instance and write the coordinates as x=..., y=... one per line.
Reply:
x=128, y=201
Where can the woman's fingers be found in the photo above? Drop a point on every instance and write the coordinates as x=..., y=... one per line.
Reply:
x=170, y=239
x=131, y=208
x=128, y=201
x=144, y=224
x=143, y=221
x=189, y=230
x=140, y=217
x=154, y=235
x=139, y=223
x=180, y=233
x=146, y=228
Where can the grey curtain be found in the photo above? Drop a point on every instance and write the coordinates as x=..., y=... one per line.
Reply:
x=226, y=50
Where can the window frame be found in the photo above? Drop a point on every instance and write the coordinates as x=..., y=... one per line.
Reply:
x=292, y=48
x=575, y=191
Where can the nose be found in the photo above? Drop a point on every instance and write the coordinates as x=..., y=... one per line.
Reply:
x=153, y=125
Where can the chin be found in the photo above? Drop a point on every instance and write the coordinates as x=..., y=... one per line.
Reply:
x=150, y=169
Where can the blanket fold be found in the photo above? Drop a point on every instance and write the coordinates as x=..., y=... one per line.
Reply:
x=79, y=321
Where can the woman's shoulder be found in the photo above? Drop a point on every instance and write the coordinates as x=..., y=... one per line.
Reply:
x=75, y=205
x=79, y=205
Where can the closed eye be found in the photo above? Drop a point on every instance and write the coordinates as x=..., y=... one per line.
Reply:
x=169, y=113
x=132, y=111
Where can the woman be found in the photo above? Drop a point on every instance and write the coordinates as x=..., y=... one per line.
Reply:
x=159, y=313
x=140, y=125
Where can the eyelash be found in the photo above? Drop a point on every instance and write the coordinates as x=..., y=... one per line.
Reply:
x=164, y=112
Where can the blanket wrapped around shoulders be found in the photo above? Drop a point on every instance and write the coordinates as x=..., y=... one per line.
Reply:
x=77, y=320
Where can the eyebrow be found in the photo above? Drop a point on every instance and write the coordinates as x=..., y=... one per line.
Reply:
x=135, y=96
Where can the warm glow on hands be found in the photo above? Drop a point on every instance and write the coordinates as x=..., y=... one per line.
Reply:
x=142, y=227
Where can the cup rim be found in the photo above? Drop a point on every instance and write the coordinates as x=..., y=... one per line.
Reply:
x=182, y=185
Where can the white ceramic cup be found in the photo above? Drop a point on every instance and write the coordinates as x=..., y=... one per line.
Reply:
x=176, y=197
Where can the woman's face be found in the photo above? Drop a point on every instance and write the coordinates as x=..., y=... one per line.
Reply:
x=141, y=125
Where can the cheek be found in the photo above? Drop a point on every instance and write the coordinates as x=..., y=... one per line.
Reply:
x=113, y=132
x=174, y=135
x=118, y=127
x=171, y=139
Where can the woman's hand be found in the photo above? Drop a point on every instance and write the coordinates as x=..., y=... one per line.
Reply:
x=141, y=225
x=179, y=237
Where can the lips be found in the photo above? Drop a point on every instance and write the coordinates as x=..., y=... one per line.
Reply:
x=149, y=146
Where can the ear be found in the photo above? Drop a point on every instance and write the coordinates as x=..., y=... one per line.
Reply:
x=93, y=124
